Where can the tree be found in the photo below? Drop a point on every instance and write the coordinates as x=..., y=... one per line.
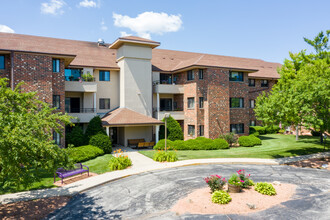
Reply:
x=301, y=96
x=76, y=137
x=174, y=131
x=26, y=128
x=94, y=127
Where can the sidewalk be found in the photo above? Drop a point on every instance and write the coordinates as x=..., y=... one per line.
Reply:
x=141, y=164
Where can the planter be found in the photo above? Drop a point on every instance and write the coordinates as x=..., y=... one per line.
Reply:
x=234, y=189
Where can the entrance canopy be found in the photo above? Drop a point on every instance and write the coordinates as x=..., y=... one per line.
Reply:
x=123, y=117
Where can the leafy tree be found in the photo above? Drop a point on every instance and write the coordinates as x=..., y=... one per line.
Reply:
x=76, y=137
x=174, y=131
x=301, y=96
x=94, y=127
x=26, y=146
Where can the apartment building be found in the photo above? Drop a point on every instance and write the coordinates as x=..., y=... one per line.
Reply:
x=131, y=84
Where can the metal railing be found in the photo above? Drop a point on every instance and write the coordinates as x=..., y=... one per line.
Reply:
x=167, y=109
x=80, y=110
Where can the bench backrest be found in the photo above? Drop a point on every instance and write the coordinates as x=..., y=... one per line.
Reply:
x=135, y=141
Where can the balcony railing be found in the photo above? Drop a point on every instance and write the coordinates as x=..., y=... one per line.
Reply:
x=167, y=109
x=80, y=110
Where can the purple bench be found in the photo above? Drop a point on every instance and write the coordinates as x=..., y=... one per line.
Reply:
x=62, y=173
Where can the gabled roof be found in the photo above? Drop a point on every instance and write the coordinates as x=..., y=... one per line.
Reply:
x=125, y=117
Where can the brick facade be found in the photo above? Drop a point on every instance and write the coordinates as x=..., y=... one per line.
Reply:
x=5, y=73
x=36, y=72
x=216, y=89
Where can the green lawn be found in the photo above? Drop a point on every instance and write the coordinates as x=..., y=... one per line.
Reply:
x=273, y=146
x=98, y=165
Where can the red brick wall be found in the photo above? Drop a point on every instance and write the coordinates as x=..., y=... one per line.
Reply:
x=178, y=98
x=37, y=74
x=5, y=73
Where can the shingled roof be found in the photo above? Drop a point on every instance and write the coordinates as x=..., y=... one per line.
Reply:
x=125, y=116
x=90, y=54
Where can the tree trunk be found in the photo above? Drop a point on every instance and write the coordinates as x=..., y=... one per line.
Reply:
x=321, y=138
x=297, y=132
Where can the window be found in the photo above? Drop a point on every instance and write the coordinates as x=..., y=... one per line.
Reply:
x=237, y=128
x=56, y=65
x=57, y=138
x=2, y=62
x=191, y=130
x=190, y=75
x=236, y=76
x=264, y=83
x=252, y=103
x=165, y=78
x=165, y=105
x=252, y=82
x=201, y=102
x=104, y=103
x=56, y=101
x=236, y=103
x=104, y=75
x=201, y=130
x=191, y=103
x=72, y=74
x=252, y=123
x=201, y=74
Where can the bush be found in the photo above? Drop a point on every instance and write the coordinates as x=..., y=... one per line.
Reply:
x=174, y=130
x=161, y=145
x=221, y=197
x=101, y=141
x=168, y=156
x=234, y=180
x=260, y=129
x=119, y=163
x=265, y=188
x=246, y=182
x=272, y=129
x=76, y=137
x=231, y=138
x=282, y=131
x=315, y=133
x=221, y=143
x=249, y=141
x=180, y=145
x=84, y=153
x=215, y=182
x=94, y=127
x=256, y=134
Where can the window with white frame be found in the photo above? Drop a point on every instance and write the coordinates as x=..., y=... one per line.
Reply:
x=237, y=128
x=57, y=138
x=191, y=130
x=236, y=103
x=191, y=103
x=252, y=123
x=252, y=102
x=190, y=75
x=264, y=83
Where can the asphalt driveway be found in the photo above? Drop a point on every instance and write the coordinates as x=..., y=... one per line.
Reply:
x=150, y=195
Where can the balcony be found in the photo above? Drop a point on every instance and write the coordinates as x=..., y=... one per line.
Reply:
x=168, y=89
x=84, y=115
x=177, y=114
x=80, y=86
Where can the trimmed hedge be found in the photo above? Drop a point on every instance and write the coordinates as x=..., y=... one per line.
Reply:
x=260, y=129
x=84, y=153
x=76, y=137
x=248, y=141
x=272, y=129
x=101, y=141
x=264, y=130
x=200, y=143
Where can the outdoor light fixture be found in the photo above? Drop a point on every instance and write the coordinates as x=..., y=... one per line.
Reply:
x=166, y=116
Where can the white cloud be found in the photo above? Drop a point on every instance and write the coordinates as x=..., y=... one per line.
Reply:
x=88, y=4
x=103, y=26
x=124, y=34
x=6, y=29
x=149, y=23
x=53, y=7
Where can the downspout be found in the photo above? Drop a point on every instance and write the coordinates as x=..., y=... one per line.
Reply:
x=12, y=69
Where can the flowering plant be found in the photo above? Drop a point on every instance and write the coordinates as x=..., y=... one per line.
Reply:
x=215, y=182
x=244, y=179
x=235, y=180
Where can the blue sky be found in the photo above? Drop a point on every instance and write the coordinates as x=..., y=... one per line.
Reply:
x=255, y=29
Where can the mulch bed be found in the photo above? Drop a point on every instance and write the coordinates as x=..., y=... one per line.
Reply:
x=312, y=163
x=35, y=209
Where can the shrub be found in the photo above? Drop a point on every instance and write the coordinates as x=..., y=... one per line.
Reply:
x=119, y=162
x=180, y=145
x=256, y=134
x=245, y=179
x=221, y=143
x=215, y=182
x=76, y=137
x=168, y=156
x=249, y=141
x=235, y=180
x=282, y=131
x=94, y=127
x=84, y=153
x=174, y=130
x=221, y=197
x=101, y=141
x=231, y=138
x=259, y=129
x=265, y=188
x=272, y=129
x=161, y=145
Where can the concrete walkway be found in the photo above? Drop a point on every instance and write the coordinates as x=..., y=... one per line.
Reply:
x=141, y=164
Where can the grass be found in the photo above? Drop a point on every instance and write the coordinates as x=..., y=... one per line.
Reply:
x=98, y=165
x=273, y=146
